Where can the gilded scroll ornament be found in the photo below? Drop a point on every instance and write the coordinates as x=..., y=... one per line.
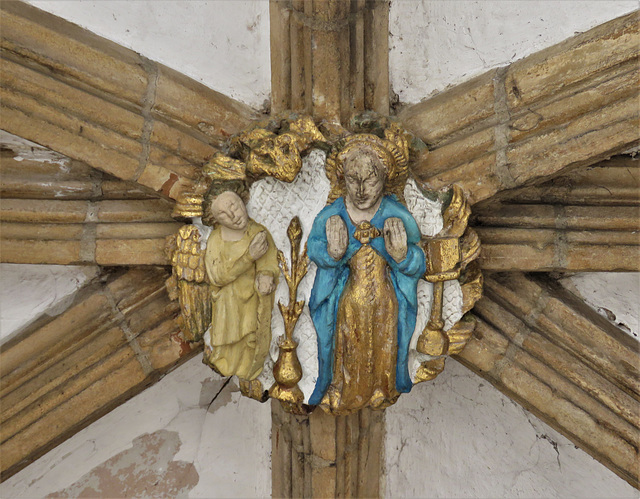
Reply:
x=390, y=278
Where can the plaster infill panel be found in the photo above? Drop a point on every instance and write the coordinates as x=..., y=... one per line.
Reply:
x=614, y=295
x=223, y=44
x=31, y=290
x=190, y=435
x=458, y=436
x=435, y=44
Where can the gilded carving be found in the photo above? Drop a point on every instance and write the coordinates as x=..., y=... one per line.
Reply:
x=287, y=370
x=384, y=294
x=364, y=299
x=190, y=280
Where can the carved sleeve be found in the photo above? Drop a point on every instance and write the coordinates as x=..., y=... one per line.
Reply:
x=224, y=271
x=268, y=263
x=414, y=263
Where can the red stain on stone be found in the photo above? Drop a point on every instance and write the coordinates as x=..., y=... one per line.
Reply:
x=166, y=187
x=147, y=469
x=185, y=346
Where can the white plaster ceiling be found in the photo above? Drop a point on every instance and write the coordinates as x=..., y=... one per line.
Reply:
x=435, y=44
x=223, y=44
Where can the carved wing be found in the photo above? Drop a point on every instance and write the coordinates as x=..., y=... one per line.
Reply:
x=456, y=215
x=192, y=287
x=460, y=334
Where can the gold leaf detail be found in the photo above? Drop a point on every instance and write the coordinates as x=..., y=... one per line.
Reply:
x=460, y=334
x=222, y=167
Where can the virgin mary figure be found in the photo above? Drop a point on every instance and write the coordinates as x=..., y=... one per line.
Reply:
x=364, y=301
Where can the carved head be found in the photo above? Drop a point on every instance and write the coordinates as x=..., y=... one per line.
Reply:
x=366, y=153
x=215, y=190
x=364, y=177
x=229, y=210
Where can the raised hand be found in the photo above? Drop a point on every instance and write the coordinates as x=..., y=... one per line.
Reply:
x=395, y=238
x=265, y=284
x=337, y=237
x=258, y=246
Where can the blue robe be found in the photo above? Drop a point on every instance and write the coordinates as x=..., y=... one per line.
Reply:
x=332, y=276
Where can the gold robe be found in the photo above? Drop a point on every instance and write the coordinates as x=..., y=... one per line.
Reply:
x=366, y=347
x=240, y=333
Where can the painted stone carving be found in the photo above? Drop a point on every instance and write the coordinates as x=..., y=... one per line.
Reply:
x=364, y=299
x=241, y=264
x=385, y=292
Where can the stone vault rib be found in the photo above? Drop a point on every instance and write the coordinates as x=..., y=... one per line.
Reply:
x=545, y=349
x=95, y=101
x=65, y=212
x=326, y=456
x=330, y=58
x=572, y=104
x=586, y=220
x=61, y=374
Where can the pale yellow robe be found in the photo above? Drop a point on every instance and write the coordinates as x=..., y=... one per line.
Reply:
x=240, y=332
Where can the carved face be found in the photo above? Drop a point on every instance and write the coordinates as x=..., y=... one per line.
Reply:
x=364, y=178
x=229, y=210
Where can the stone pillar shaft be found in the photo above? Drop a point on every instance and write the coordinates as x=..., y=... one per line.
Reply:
x=326, y=456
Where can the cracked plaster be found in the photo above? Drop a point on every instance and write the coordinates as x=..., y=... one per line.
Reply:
x=146, y=469
x=435, y=44
x=458, y=436
x=192, y=417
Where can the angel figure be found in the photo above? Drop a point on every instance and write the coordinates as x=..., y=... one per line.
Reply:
x=242, y=267
x=364, y=301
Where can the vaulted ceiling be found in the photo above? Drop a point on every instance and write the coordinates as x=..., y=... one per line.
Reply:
x=530, y=144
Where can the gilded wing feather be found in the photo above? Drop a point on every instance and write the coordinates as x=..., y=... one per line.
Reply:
x=460, y=334
x=469, y=247
x=456, y=215
x=471, y=286
x=194, y=294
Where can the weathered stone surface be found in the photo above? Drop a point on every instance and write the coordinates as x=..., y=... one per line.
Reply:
x=585, y=220
x=570, y=105
x=330, y=58
x=615, y=182
x=60, y=375
x=96, y=102
x=321, y=455
x=557, y=357
x=59, y=211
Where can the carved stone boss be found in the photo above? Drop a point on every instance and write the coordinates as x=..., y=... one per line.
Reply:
x=372, y=302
